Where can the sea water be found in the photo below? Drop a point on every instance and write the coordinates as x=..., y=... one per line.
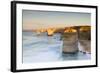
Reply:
x=44, y=48
x=41, y=48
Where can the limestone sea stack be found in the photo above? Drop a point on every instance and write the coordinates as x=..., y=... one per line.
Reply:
x=70, y=42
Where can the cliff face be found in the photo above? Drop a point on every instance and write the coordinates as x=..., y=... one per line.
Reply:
x=85, y=39
x=75, y=35
x=86, y=45
x=70, y=42
x=85, y=35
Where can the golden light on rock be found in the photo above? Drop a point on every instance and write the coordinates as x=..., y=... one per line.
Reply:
x=70, y=30
x=85, y=28
x=50, y=31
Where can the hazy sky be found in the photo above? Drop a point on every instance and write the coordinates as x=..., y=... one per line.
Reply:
x=44, y=19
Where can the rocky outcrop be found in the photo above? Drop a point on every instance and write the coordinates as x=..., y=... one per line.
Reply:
x=70, y=42
x=86, y=45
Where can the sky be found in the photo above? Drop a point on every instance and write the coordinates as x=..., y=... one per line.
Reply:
x=33, y=19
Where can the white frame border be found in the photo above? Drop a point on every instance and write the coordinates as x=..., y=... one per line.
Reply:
x=21, y=66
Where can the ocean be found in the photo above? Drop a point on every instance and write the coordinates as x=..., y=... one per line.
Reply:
x=44, y=48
